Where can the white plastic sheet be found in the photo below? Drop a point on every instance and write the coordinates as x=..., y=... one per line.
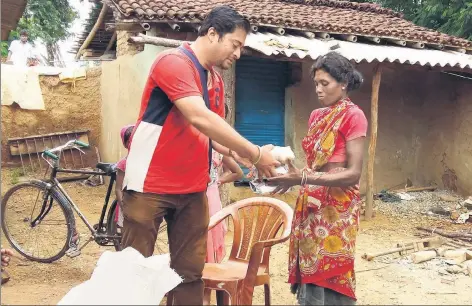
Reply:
x=125, y=278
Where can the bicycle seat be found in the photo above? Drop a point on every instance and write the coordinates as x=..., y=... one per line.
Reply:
x=108, y=168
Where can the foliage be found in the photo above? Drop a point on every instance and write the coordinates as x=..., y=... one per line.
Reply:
x=453, y=17
x=4, y=48
x=49, y=20
x=449, y=16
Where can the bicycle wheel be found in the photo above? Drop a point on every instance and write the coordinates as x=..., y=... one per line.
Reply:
x=112, y=226
x=37, y=222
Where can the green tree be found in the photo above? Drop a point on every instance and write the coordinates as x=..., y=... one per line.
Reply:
x=49, y=20
x=452, y=17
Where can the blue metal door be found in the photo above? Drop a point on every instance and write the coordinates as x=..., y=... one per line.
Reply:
x=260, y=100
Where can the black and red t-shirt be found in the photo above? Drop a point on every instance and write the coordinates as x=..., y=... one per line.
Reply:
x=167, y=154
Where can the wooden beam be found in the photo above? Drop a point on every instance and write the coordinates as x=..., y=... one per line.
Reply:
x=111, y=42
x=374, y=109
x=94, y=30
x=166, y=42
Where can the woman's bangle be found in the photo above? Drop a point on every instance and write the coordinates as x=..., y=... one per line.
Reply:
x=259, y=157
x=304, y=178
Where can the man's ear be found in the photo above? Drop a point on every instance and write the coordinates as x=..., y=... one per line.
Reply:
x=213, y=35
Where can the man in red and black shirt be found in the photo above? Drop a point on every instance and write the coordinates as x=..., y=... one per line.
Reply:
x=167, y=169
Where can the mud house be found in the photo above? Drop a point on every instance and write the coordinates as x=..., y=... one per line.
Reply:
x=420, y=123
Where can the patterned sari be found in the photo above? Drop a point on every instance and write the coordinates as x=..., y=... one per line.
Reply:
x=326, y=219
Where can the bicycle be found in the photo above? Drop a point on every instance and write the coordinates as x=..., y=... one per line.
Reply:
x=55, y=202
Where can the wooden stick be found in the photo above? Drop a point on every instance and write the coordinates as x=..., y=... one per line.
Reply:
x=158, y=41
x=374, y=109
x=94, y=30
x=111, y=42
x=373, y=269
x=165, y=42
x=416, y=189
x=453, y=235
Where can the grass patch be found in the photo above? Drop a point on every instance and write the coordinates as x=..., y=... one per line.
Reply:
x=15, y=175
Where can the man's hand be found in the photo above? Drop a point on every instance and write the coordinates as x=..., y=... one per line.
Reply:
x=240, y=160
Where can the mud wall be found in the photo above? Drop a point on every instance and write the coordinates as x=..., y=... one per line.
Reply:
x=123, y=83
x=67, y=108
x=445, y=156
x=424, y=131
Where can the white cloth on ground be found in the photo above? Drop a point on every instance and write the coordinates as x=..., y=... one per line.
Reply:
x=125, y=278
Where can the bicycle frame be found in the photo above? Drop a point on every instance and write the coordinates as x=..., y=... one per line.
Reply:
x=55, y=183
x=53, y=161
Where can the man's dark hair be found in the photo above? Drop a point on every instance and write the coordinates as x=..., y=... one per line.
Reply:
x=224, y=19
x=340, y=68
x=23, y=33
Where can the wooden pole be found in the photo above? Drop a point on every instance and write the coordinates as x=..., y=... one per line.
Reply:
x=374, y=109
x=153, y=40
x=166, y=42
x=94, y=30
x=111, y=42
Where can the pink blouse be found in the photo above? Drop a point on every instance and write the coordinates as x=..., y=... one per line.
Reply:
x=354, y=125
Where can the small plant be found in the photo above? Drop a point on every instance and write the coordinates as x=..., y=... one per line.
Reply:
x=4, y=48
x=15, y=176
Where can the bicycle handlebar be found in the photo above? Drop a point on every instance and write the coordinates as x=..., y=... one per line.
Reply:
x=71, y=144
x=81, y=143
x=51, y=155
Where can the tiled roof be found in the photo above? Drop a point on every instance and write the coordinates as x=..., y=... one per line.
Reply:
x=331, y=16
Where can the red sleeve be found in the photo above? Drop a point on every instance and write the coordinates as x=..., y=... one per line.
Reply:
x=176, y=77
x=354, y=124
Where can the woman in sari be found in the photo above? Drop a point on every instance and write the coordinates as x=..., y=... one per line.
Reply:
x=326, y=217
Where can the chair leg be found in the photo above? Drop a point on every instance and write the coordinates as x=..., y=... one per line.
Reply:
x=207, y=297
x=223, y=298
x=267, y=294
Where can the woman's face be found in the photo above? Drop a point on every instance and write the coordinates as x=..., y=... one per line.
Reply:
x=329, y=91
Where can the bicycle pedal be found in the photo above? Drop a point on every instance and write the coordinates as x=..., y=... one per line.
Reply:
x=73, y=252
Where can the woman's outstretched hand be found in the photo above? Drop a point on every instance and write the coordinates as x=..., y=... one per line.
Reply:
x=284, y=182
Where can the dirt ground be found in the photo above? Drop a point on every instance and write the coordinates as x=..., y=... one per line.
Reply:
x=387, y=280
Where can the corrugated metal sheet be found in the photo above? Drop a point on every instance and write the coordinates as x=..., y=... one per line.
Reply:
x=260, y=100
x=301, y=47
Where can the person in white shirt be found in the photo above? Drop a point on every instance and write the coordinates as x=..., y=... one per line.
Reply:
x=21, y=52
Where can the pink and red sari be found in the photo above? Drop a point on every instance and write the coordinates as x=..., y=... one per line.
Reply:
x=326, y=219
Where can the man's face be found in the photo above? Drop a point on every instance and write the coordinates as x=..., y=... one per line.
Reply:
x=24, y=38
x=227, y=49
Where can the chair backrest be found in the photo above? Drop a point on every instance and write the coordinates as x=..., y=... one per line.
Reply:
x=258, y=219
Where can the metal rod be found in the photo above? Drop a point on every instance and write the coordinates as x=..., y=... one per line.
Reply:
x=71, y=153
x=29, y=155
x=80, y=154
x=62, y=152
x=22, y=164
x=37, y=154
x=44, y=148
